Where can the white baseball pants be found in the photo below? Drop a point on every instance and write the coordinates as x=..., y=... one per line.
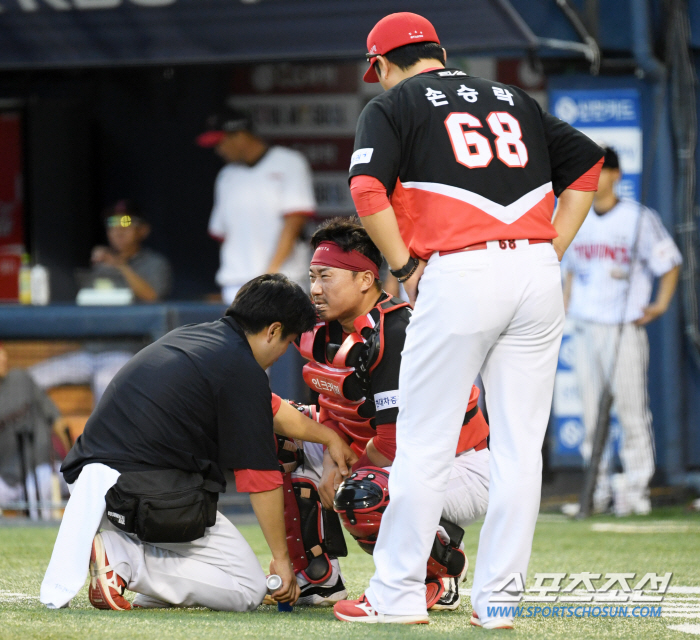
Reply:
x=218, y=570
x=467, y=491
x=596, y=365
x=498, y=311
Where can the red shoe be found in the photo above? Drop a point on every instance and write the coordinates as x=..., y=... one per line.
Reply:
x=362, y=611
x=496, y=623
x=106, y=590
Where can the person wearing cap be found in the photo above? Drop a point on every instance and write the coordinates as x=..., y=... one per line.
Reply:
x=125, y=263
x=610, y=269
x=455, y=179
x=263, y=197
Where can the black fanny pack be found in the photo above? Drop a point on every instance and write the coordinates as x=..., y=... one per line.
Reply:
x=163, y=505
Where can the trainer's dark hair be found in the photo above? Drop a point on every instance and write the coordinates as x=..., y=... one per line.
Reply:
x=406, y=56
x=349, y=235
x=270, y=298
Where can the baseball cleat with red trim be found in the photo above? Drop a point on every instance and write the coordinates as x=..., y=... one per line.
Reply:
x=496, y=623
x=106, y=590
x=362, y=611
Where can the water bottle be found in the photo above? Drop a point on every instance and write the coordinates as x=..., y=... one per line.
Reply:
x=39, y=285
x=274, y=582
x=25, y=282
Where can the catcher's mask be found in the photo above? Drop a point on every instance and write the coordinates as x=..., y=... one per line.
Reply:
x=361, y=500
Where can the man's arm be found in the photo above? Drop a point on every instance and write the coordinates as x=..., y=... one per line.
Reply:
x=330, y=481
x=269, y=510
x=667, y=287
x=572, y=209
x=293, y=225
x=383, y=228
x=142, y=290
x=294, y=424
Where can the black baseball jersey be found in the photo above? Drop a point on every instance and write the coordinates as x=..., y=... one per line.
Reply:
x=468, y=160
x=195, y=400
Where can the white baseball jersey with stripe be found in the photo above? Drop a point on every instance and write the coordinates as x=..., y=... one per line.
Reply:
x=613, y=278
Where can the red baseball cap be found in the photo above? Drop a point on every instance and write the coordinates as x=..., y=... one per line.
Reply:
x=393, y=31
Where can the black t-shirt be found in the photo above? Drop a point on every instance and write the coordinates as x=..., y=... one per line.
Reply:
x=467, y=160
x=195, y=400
x=384, y=380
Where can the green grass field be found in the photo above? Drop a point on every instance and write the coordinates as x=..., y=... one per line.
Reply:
x=668, y=540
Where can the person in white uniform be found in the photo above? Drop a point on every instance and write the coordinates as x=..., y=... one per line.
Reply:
x=455, y=178
x=263, y=197
x=610, y=269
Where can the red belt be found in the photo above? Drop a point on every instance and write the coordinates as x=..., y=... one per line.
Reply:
x=481, y=445
x=483, y=245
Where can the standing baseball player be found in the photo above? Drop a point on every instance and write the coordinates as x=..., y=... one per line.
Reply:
x=455, y=179
x=610, y=270
x=354, y=356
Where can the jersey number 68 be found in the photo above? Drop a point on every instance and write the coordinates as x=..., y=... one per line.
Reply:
x=474, y=150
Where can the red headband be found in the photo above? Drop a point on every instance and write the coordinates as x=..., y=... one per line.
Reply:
x=329, y=254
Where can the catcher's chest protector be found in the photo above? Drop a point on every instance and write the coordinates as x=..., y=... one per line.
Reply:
x=340, y=370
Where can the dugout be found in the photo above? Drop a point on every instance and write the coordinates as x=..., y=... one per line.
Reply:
x=111, y=93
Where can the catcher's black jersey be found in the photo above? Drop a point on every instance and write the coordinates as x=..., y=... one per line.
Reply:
x=467, y=160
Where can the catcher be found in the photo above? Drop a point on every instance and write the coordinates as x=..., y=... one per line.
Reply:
x=354, y=355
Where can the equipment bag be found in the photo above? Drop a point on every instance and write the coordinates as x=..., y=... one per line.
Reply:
x=163, y=505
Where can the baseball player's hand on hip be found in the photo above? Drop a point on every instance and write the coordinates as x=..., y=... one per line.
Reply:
x=411, y=285
x=289, y=591
x=651, y=313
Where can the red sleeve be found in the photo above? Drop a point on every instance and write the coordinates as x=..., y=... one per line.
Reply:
x=589, y=180
x=276, y=403
x=256, y=481
x=369, y=195
x=385, y=440
x=363, y=461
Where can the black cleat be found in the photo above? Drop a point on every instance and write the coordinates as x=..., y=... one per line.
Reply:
x=323, y=595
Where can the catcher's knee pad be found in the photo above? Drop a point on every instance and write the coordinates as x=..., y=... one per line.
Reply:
x=320, y=532
x=360, y=501
x=446, y=559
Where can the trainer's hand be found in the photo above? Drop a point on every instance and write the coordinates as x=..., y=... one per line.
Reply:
x=343, y=456
x=411, y=285
x=330, y=481
x=289, y=591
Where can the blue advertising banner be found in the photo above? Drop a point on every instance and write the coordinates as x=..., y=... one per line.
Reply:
x=611, y=117
x=608, y=116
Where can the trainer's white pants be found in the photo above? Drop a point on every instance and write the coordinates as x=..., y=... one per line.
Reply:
x=467, y=491
x=595, y=357
x=218, y=570
x=495, y=311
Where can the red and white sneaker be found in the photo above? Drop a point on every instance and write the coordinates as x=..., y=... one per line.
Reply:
x=106, y=589
x=495, y=623
x=362, y=611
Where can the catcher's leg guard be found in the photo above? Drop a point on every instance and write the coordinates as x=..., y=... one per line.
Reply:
x=319, y=530
x=447, y=560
